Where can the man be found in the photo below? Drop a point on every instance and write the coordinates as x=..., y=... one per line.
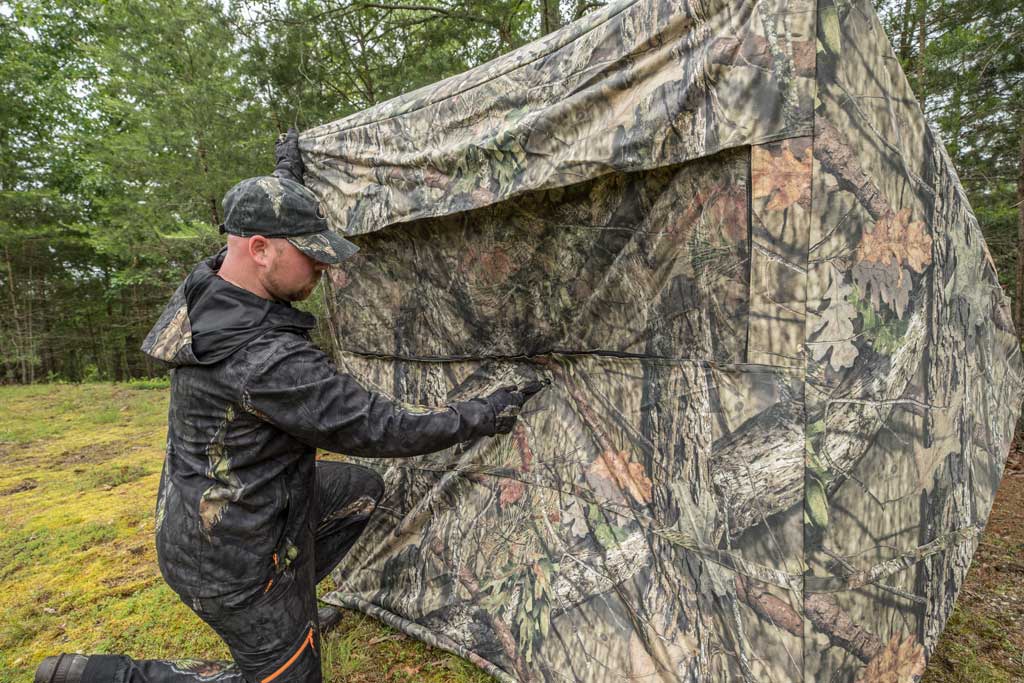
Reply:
x=247, y=521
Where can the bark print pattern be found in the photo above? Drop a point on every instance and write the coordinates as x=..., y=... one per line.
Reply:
x=591, y=543
x=780, y=193
x=914, y=372
x=636, y=85
x=783, y=377
x=607, y=511
x=624, y=263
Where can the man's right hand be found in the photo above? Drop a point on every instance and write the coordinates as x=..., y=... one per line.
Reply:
x=508, y=401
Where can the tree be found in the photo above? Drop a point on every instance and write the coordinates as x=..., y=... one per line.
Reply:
x=47, y=262
x=966, y=67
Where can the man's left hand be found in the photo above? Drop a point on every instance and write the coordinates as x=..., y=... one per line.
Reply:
x=289, y=161
x=508, y=401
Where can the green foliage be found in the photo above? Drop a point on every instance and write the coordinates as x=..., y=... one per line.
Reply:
x=150, y=383
x=886, y=336
x=124, y=122
x=816, y=478
x=608, y=534
x=964, y=61
x=78, y=563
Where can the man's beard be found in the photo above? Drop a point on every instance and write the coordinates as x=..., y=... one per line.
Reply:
x=279, y=292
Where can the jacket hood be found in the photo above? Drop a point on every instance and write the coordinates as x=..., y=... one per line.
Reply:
x=208, y=319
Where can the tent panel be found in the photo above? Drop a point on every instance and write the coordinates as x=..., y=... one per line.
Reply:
x=639, y=85
x=590, y=542
x=650, y=263
x=783, y=373
x=780, y=211
x=910, y=347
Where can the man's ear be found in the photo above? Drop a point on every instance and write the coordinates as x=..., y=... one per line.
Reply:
x=259, y=250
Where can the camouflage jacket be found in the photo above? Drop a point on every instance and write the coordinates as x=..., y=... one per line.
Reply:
x=252, y=398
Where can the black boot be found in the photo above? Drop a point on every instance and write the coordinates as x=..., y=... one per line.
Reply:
x=61, y=669
x=329, y=617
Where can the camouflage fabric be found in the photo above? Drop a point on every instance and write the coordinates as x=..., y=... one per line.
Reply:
x=279, y=207
x=247, y=521
x=276, y=634
x=325, y=247
x=638, y=84
x=783, y=374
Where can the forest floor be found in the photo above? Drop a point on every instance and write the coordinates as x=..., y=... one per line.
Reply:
x=79, y=467
x=984, y=638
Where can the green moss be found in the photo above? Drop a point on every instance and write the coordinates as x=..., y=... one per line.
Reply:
x=105, y=417
x=113, y=475
x=78, y=565
x=150, y=383
x=972, y=650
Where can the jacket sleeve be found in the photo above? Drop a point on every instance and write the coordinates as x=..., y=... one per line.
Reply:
x=298, y=390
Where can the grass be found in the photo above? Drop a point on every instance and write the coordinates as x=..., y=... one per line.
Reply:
x=984, y=638
x=79, y=467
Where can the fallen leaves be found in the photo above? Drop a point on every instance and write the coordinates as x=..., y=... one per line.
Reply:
x=897, y=240
x=489, y=266
x=883, y=283
x=510, y=491
x=895, y=245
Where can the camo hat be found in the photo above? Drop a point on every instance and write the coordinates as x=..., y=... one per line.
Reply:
x=277, y=207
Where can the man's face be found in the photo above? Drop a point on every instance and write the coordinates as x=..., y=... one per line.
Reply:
x=291, y=275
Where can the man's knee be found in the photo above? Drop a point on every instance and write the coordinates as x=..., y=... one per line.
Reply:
x=347, y=490
x=371, y=491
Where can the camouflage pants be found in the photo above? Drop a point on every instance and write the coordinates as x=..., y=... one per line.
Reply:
x=275, y=636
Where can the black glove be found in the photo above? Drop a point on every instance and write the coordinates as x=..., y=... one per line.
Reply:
x=289, y=161
x=508, y=401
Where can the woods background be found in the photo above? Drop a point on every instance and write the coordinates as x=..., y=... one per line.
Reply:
x=123, y=123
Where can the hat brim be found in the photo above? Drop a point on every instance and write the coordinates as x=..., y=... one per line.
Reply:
x=325, y=247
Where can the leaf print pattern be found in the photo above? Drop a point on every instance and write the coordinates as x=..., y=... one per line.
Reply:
x=725, y=235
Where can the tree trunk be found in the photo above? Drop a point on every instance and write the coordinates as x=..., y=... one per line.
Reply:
x=113, y=354
x=214, y=213
x=122, y=338
x=16, y=333
x=1017, y=305
x=97, y=349
x=48, y=360
x=550, y=16
x=30, y=343
x=922, y=34
x=906, y=22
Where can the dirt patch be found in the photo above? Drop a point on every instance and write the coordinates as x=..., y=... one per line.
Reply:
x=107, y=478
x=90, y=454
x=23, y=485
x=1015, y=460
x=12, y=454
x=984, y=639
